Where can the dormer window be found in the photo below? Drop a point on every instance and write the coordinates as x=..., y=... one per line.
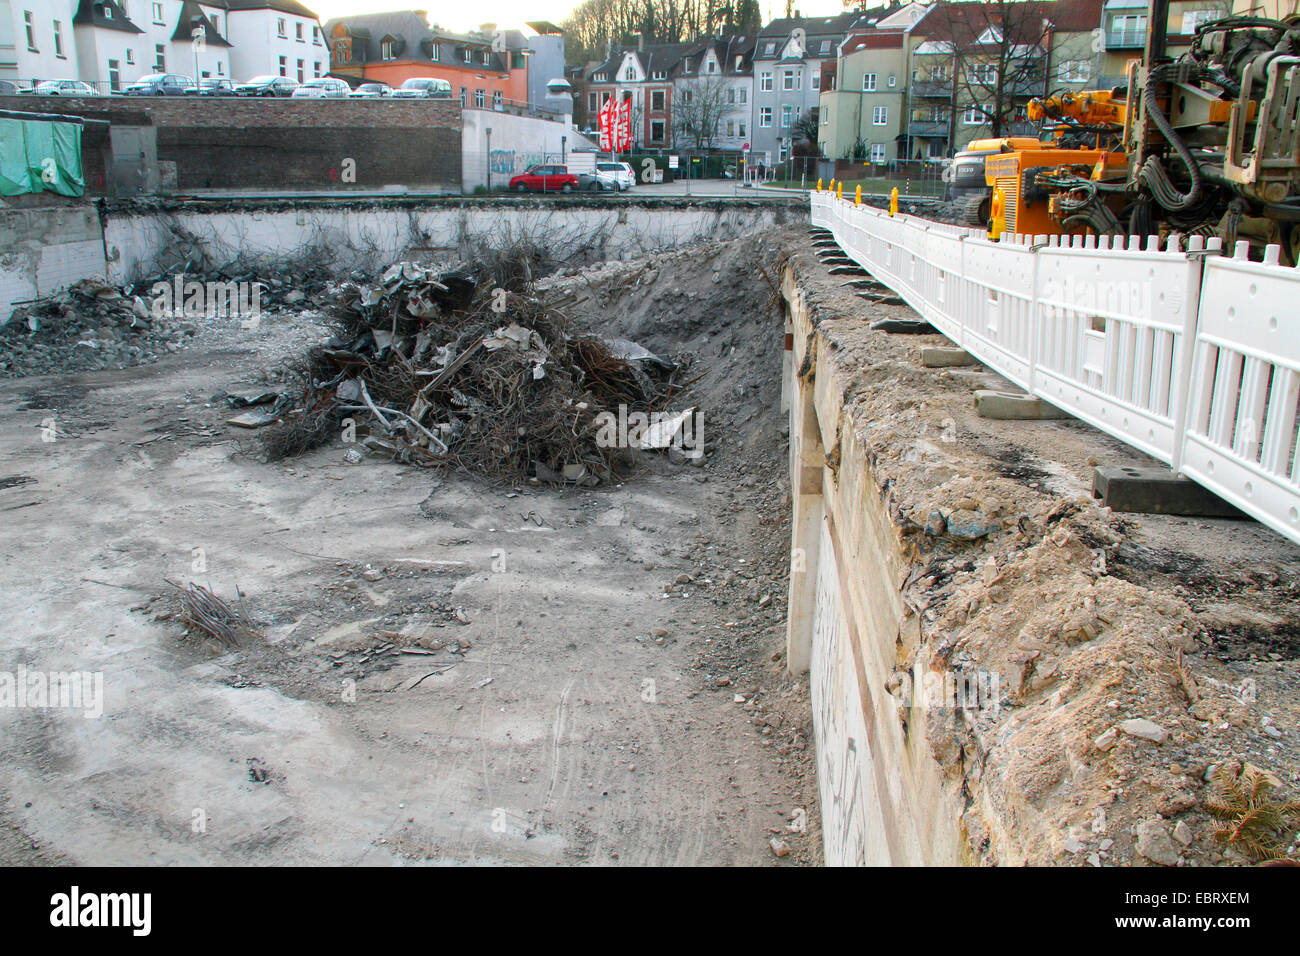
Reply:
x=712, y=68
x=388, y=49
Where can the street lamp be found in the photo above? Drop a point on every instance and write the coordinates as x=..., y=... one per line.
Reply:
x=489, y=160
x=199, y=35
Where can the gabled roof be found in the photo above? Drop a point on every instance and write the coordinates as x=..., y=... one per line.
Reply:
x=185, y=25
x=962, y=23
x=92, y=13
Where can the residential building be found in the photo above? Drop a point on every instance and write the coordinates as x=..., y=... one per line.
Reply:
x=714, y=89
x=112, y=42
x=788, y=61
x=863, y=105
x=643, y=75
x=973, y=72
x=1124, y=31
x=486, y=68
x=545, y=53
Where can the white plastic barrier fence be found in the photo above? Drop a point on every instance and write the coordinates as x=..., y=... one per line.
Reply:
x=1191, y=357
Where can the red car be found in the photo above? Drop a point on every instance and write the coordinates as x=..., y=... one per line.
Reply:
x=544, y=179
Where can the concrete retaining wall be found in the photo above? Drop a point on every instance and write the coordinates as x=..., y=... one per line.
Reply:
x=884, y=799
x=46, y=248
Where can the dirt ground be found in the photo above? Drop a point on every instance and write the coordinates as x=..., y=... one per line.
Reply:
x=447, y=672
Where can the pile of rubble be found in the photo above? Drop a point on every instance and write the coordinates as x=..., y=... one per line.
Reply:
x=94, y=325
x=474, y=369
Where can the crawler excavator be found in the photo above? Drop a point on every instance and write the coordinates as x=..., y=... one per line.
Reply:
x=1207, y=143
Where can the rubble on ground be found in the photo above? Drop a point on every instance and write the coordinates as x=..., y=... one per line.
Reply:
x=473, y=368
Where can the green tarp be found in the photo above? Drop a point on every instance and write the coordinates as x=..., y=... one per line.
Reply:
x=40, y=156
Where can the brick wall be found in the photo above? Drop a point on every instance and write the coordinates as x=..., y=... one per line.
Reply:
x=253, y=143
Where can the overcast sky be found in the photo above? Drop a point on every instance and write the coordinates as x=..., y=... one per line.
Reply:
x=514, y=13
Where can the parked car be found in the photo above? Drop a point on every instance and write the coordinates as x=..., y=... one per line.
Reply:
x=545, y=179
x=267, y=86
x=424, y=86
x=322, y=88
x=620, y=173
x=215, y=86
x=160, y=84
x=64, y=88
x=7, y=88
x=372, y=90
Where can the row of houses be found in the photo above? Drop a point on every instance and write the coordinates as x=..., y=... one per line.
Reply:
x=110, y=43
x=903, y=81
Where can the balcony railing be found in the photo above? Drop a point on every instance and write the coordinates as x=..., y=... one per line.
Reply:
x=928, y=128
x=942, y=88
x=1122, y=39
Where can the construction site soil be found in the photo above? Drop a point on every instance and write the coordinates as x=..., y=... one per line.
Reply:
x=452, y=670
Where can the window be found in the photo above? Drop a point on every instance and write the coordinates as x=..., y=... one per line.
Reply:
x=284, y=67
x=815, y=81
x=781, y=152
x=657, y=100
x=388, y=49
x=765, y=82
x=731, y=127
x=630, y=73
x=221, y=67
x=744, y=95
x=713, y=67
x=985, y=73
x=592, y=105
x=731, y=95
x=825, y=48
x=480, y=98
x=301, y=77
x=769, y=49
x=496, y=99
x=1128, y=29
x=868, y=82
x=879, y=115
x=787, y=116
x=297, y=29
x=789, y=79
x=486, y=58
x=893, y=81
x=936, y=148
x=1195, y=18
x=30, y=27
x=740, y=128
x=280, y=28
x=657, y=131
x=58, y=40
x=877, y=152
x=765, y=116
x=469, y=55
x=158, y=14
x=316, y=67
x=1074, y=71
x=114, y=75
x=972, y=116
x=464, y=97
x=598, y=77
x=130, y=56
x=159, y=59
x=315, y=36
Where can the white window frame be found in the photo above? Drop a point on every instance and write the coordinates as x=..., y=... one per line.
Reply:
x=787, y=115
x=282, y=28
x=765, y=117
x=868, y=82
x=790, y=80
x=972, y=116
x=765, y=81
x=880, y=116
x=877, y=154
x=29, y=25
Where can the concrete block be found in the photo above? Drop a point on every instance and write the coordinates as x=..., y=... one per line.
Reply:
x=1142, y=489
x=946, y=358
x=1008, y=406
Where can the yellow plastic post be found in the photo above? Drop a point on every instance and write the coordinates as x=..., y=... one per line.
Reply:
x=893, y=201
x=857, y=196
x=839, y=191
x=819, y=185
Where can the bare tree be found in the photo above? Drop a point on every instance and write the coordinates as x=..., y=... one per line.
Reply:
x=699, y=106
x=999, y=57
